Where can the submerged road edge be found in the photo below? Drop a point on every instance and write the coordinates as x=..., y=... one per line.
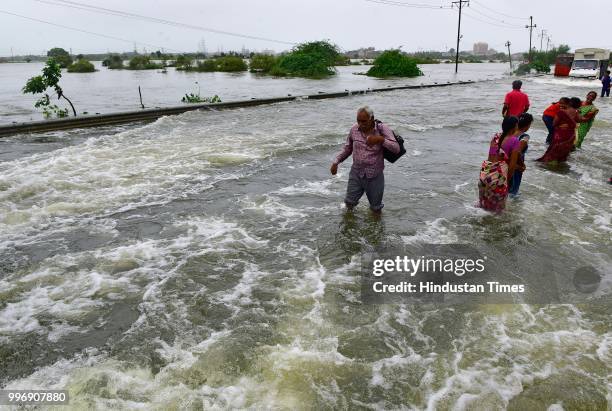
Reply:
x=100, y=120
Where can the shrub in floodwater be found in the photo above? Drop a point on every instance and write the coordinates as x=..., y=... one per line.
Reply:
x=225, y=64
x=143, y=63
x=61, y=56
x=523, y=69
x=262, y=63
x=209, y=65
x=183, y=62
x=231, y=64
x=311, y=60
x=50, y=77
x=538, y=65
x=425, y=60
x=392, y=63
x=113, y=62
x=302, y=65
x=196, y=98
x=81, y=66
x=470, y=59
x=548, y=57
x=342, y=61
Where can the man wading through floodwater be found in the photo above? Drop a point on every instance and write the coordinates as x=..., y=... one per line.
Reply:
x=366, y=141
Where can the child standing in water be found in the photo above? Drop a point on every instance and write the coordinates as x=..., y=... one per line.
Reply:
x=524, y=124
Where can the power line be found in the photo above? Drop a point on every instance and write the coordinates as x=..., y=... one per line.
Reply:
x=85, y=31
x=493, y=24
x=102, y=10
x=500, y=13
x=475, y=10
x=410, y=5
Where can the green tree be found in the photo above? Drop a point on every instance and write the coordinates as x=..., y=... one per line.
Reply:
x=262, y=63
x=311, y=60
x=392, y=63
x=324, y=49
x=231, y=64
x=183, y=62
x=142, y=63
x=113, y=62
x=61, y=56
x=302, y=65
x=223, y=63
x=208, y=65
x=50, y=77
x=81, y=66
x=548, y=57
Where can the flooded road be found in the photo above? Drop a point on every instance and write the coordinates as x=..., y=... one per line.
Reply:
x=205, y=261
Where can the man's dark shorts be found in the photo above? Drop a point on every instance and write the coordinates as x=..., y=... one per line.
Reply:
x=373, y=187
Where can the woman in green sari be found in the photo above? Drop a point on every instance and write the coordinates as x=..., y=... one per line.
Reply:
x=588, y=111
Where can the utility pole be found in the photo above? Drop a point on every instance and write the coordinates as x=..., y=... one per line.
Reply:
x=460, y=4
x=509, y=55
x=547, y=43
x=542, y=38
x=531, y=26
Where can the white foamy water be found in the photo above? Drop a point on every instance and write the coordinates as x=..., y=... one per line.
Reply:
x=206, y=261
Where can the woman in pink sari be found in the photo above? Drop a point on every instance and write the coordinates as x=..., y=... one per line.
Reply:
x=565, y=123
x=504, y=152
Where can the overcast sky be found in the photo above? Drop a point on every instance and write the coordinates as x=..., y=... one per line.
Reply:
x=349, y=23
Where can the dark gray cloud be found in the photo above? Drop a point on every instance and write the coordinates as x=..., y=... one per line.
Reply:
x=349, y=23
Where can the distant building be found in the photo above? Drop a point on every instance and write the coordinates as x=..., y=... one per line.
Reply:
x=480, y=49
x=363, y=53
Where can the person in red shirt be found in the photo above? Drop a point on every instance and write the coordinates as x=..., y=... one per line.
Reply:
x=516, y=102
x=548, y=117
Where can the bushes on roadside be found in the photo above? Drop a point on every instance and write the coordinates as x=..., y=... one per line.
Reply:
x=538, y=65
x=196, y=98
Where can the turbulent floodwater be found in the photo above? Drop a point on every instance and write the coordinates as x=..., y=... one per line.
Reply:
x=205, y=261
